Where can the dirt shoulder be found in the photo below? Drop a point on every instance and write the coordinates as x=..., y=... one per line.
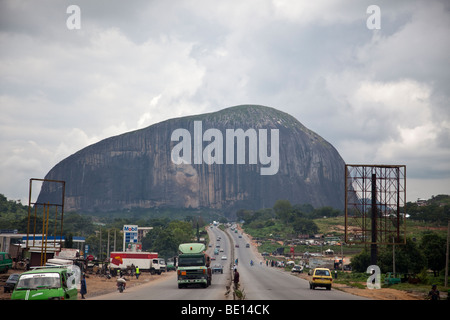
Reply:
x=96, y=285
x=375, y=294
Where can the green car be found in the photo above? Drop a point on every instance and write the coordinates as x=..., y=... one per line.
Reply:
x=5, y=262
x=46, y=284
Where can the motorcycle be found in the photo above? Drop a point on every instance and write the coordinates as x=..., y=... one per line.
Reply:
x=121, y=284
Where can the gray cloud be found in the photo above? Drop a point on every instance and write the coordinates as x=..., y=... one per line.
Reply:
x=379, y=96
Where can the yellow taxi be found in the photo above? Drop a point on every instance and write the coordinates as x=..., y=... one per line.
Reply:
x=321, y=277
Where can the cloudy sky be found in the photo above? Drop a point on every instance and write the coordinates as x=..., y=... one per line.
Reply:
x=380, y=96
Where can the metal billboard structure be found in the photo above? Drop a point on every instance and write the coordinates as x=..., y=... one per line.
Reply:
x=374, y=197
x=41, y=236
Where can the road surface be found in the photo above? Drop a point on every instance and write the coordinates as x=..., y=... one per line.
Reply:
x=259, y=282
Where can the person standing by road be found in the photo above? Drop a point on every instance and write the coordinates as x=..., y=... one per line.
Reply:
x=137, y=272
x=434, y=293
x=83, y=289
x=236, y=279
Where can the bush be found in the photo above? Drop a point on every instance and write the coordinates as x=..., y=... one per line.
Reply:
x=423, y=276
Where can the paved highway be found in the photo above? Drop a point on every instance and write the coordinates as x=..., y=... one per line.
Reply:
x=261, y=282
x=167, y=288
x=258, y=282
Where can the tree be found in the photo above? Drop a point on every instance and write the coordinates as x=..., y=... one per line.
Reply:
x=433, y=247
x=166, y=239
x=244, y=215
x=326, y=212
x=361, y=261
x=283, y=210
x=408, y=258
x=304, y=226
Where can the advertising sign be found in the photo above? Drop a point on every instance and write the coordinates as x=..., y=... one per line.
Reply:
x=130, y=237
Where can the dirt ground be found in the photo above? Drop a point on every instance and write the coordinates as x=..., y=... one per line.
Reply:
x=97, y=285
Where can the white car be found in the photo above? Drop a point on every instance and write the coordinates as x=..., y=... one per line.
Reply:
x=224, y=257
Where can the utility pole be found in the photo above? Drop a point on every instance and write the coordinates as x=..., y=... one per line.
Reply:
x=100, y=252
x=393, y=255
x=198, y=233
x=107, y=250
x=373, y=245
x=446, y=255
x=114, y=240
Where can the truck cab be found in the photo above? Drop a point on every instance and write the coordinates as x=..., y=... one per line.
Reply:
x=155, y=267
x=193, y=265
x=162, y=265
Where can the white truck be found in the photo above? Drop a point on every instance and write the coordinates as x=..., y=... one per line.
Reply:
x=146, y=261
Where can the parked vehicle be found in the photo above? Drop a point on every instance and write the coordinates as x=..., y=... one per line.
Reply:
x=11, y=282
x=58, y=262
x=46, y=284
x=5, y=262
x=171, y=264
x=297, y=268
x=146, y=261
x=162, y=265
x=391, y=278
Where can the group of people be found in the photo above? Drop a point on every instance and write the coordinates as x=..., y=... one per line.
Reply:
x=130, y=271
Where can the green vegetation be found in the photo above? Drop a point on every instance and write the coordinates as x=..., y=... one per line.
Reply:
x=164, y=238
x=422, y=257
x=435, y=210
x=425, y=244
x=283, y=220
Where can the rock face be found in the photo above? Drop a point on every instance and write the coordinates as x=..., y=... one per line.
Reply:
x=189, y=162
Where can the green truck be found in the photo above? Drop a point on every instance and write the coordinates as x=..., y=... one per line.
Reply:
x=46, y=284
x=193, y=265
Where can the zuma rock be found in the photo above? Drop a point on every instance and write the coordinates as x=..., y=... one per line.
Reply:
x=241, y=157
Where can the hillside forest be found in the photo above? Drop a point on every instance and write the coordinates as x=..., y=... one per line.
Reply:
x=282, y=221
